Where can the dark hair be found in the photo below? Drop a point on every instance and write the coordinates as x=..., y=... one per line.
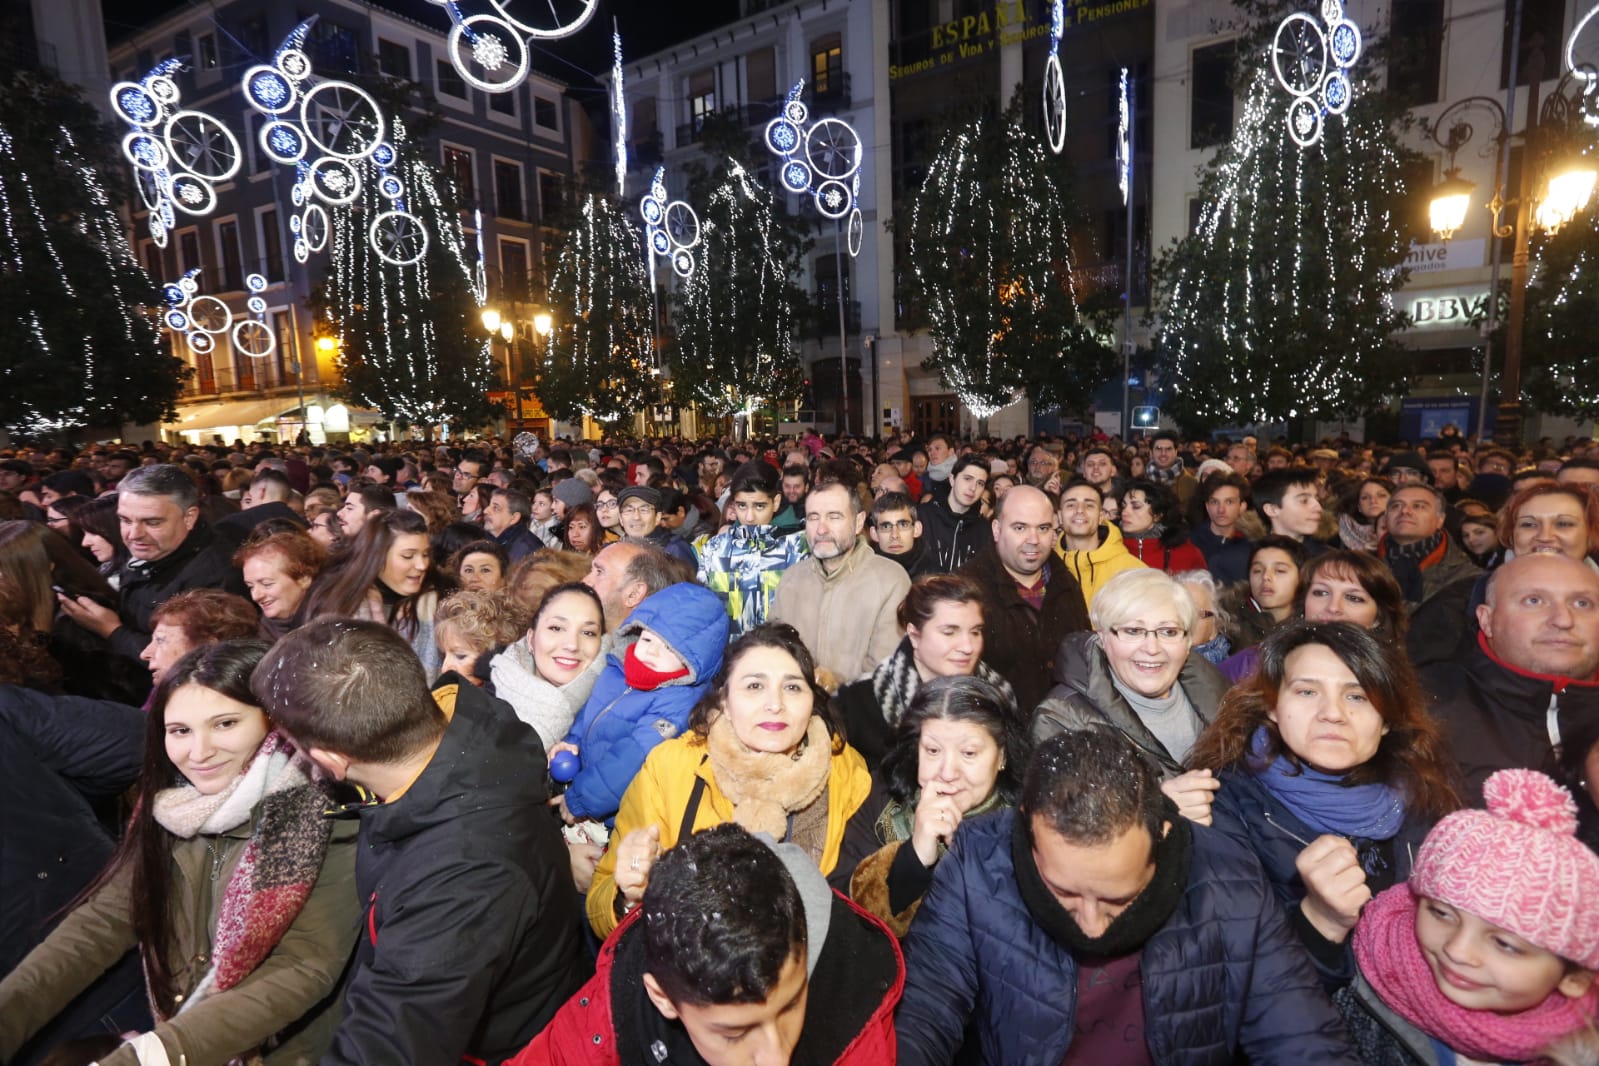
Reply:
x=342, y=587
x=893, y=501
x=596, y=531
x=516, y=502
x=1412, y=756
x=1294, y=549
x=484, y=490
x=782, y=637
x=971, y=459
x=722, y=917
x=163, y=479
x=1579, y=736
x=560, y=590
x=34, y=557
x=479, y=547
x=223, y=667
x=958, y=699
x=930, y=590
x=1349, y=499
x=455, y=536
x=1273, y=485
x=1092, y=785
x=355, y=688
x=796, y=470
x=754, y=476
x=1373, y=575
x=1164, y=434
x=1080, y=483
x=1163, y=506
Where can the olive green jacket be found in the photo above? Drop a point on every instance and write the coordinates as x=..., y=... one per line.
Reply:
x=291, y=995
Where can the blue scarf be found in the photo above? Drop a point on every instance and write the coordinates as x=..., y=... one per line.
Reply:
x=1323, y=802
x=1214, y=650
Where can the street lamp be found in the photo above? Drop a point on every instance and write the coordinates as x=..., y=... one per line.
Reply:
x=543, y=323
x=491, y=320
x=1451, y=199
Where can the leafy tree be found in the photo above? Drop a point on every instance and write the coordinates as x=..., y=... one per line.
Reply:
x=79, y=340
x=989, y=239
x=600, y=359
x=1280, y=304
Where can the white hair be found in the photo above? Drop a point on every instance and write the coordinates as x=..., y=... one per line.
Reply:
x=1141, y=592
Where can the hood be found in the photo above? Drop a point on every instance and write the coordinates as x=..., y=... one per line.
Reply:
x=1111, y=545
x=692, y=621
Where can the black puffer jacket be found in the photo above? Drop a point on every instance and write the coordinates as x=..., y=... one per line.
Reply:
x=1019, y=642
x=471, y=940
x=202, y=561
x=953, y=538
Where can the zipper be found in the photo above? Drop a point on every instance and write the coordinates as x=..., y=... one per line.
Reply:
x=1284, y=830
x=1552, y=722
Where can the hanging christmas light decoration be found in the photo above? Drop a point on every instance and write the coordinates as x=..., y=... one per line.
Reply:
x=329, y=131
x=201, y=319
x=1055, y=81
x=1584, y=68
x=491, y=50
x=1310, y=63
x=671, y=228
x=619, y=113
x=821, y=159
x=179, y=155
x=1124, y=144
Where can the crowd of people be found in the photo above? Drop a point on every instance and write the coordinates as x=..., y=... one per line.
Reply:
x=1046, y=750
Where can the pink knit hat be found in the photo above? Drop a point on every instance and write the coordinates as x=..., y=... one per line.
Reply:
x=1519, y=866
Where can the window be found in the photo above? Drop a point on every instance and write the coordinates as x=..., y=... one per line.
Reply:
x=1196, y=209
x=263, y=162
x=1210, y=86
x=394, y=59
x=270, y=241
x=287, y=352
x=760, y=74
x=827, y=65
x=508, y=190
x=826, y=274
x=152, y=262
x=552, y=194
x=230, y=255
x=333, y=47
x=513, y=268
x=642, y=128
x=447, y=80
x=188, y=250
x=458, y=165
x=1545, y=17
x=246, y=40
x=206, y=51
x=503, y=103
x=1415, y=63
x=701, y=98
x=546, y=113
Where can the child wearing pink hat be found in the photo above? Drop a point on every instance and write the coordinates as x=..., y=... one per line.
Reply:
x=1488, y=954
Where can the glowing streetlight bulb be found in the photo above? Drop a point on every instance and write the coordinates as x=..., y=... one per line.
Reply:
x=543, y=323
x=1451, y=199
x=491, y=320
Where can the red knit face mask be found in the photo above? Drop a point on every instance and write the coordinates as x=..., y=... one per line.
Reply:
x=643, y=677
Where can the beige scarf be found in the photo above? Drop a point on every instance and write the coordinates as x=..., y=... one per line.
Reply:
x=766, y=787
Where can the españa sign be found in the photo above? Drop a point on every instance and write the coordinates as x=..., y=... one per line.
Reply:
x=1002, y=24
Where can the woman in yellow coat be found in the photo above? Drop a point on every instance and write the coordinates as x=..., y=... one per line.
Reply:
x=762, y=750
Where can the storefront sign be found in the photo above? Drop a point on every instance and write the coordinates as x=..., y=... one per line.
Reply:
x=1458, y=310
x=1446, y=255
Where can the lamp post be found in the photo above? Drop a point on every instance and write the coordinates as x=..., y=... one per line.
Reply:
x=1566, y=187
x=496, y=325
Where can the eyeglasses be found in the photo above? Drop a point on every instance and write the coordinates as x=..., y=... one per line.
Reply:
x=462, y=475
x=638, y=511
x=1134, y=634
x=904, y=525
x=605, y=505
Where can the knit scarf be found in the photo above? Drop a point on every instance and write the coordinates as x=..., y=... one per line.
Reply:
x=766, y=787
x=1164, y=477
x=550, y=709
x=1357, y=535
x=1392, y=963
x=280, y=864
x=642, y=677
x=1407, y=561
x=941, y=471
x=1323, y=802
x=896, y=680
x=1215, y=650
x=1133, y=927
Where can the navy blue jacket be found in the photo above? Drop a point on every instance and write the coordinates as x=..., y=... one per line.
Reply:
x=1224, y=976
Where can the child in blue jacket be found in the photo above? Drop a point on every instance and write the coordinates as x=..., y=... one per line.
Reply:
x=663, y=660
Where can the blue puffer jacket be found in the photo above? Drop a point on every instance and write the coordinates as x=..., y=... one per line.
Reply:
x=1223, y=977
x=619, y=725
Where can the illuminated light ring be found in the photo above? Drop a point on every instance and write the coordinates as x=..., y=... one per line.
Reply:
x=177, y=321
x=210, y=315
x=202, y=146
x=509, y=45
x=192, y=195
x=1331, y=11
x=298, y=194
x=293, y=62
x=173, y=294
x=1055, y=104
x=782, y=136
x=384, y=155
x=335, y=181
x=269, y=90
x=682, y=225
x=1300, y=41
x=254, y=339
x=857, y=232
x=650, y=208
x=559, y=30
x=201, y=343
x=833, y=148
x=188, y=284
x=294, y=225
x=351, y=126
x=163, y=88
x=1304, y=121
x=314, y=227
x=158, y=231
x=145, y=150
x=169, y=217
x=833, y=199
x=257, y=305
x=660, y=242
x=398, y=237
x=255, y=282
x=796, y=112
x=1337, y=93
x=796, y=176
x=1343, y=43
x=391, y=187
x=136, y=105
x=283, y=142
x=683, y=263
x=301, y=252
x=1585, y=71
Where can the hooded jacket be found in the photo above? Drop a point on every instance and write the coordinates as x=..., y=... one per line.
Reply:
x=1085, y=696
x=619, y=725
x=1096, y=566
x=953, y=538
x=471, y=937
x=847, y=618
x=1498, y=716
x=743, y=565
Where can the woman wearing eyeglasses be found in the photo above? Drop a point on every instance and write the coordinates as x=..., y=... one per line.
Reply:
x=1136, y=672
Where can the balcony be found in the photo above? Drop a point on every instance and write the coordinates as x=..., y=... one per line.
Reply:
x=835, y=98
x=825, y=316
x=759, y=113
x=264, y=376
x=646, y=152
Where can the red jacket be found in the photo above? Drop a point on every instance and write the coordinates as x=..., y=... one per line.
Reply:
x=1151, y=552
x=583, y=1032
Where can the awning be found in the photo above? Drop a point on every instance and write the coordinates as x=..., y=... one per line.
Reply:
x=237, y=413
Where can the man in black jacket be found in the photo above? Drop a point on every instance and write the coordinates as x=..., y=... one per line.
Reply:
x=953, y=527
x=170, y=551
x=266, y=498
x=897, y=534
x=472, y=933
x=1030, y=601
x=1506, y=701
x=506, y=520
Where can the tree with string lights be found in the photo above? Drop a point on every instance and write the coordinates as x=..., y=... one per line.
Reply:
x=79, y=341
x=989, y=238
x=1280, y=305
x=410, y=334
x=1562, y=306
x=599, y=358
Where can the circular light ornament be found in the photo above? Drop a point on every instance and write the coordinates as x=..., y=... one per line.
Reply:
x=253, y=339
x=796, y=176
x=490, y=44
x=398, y=237
x=188, y=285
x=210, y=315
x=1343, y=42
x=833, y=199
x=177, y=321
x=857, y=232
x=682, y=224
x=173, y=294
x=833, y=148
x=283, y=142
x=163, y=88
x=1055, y=104
x=796, y=112
x=257, y=305
x=301, y=252
x=782, y=136
x=384, y=155
x=683, y=262
x=268, y=89
x=334, y=181
x=391, y=187
x=660, y=242
x=314, y=227
x=203, y=146
x=158, y=231
x=1331, y=11
x=295, y=63
x=201, y=343
x=193, y=196
x=342, y=120
x=255, y=282
x=1299, y=54
x=651, y=209
x=135, y=104
x=1304, y=121
x=1336, y=93
x=145, y=151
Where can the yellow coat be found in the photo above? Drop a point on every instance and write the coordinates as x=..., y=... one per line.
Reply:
x=1093, y=568
x=659, y=796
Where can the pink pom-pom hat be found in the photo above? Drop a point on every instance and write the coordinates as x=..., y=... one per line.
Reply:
x=1518, y=865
